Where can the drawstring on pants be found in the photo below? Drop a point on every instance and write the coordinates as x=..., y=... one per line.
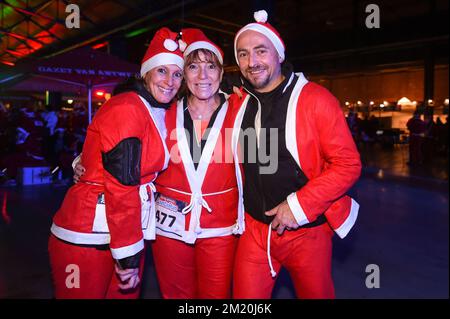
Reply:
x=269, y=258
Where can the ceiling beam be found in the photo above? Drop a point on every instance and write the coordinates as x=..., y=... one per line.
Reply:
x=225, y=22
x=28, y=17
x=38, y=8
x=20, y=36
x=125, y=27
x=15, y=53
x=26, y=12
x=208, y=27
x=42, y=6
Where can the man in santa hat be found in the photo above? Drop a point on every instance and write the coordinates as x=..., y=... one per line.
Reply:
x=294, y=193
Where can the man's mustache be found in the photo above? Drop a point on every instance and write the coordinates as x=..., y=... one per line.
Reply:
x=255, y=68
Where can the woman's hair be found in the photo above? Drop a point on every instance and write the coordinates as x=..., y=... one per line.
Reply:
x=209, y=56
x=194, y=56
x=130, y=84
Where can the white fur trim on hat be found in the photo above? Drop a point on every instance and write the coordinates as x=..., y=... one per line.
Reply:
x=161, y=59
x=170, y=45
x=276, y=41
x=203, y=45
x=260, y=16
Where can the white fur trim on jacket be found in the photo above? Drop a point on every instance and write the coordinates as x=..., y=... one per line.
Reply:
x=344, y=229
x=297, y=210
x=127, y=251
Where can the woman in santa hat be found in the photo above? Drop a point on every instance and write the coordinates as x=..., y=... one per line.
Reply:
x=199, y=210
x=97, y=241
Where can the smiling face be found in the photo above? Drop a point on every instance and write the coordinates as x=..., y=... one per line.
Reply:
x=203, y=74
x=163, y=82
x=259, y=61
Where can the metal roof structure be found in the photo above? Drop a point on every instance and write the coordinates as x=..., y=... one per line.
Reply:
x=319, y=34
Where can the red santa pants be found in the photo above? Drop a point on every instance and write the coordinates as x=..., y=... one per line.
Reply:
x=86, y=273
x=202, y=270
x=305, y=253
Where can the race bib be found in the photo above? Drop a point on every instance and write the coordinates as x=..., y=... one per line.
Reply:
x=169, y=218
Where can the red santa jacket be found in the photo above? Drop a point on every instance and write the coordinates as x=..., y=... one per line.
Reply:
x=318, y=138
x=82, y=218
x=212, y=199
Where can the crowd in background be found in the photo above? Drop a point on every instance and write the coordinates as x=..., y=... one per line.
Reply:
x=35, y=135
x=427, y=137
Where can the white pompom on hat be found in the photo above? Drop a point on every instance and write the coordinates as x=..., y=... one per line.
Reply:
x=170, y=45
x=266, y=29
x=163, y=50
x=260, y=16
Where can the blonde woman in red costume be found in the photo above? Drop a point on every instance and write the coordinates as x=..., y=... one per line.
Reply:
x=198, y=208
x=97, y=237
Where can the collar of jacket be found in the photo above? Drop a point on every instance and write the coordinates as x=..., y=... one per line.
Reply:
x=142, y=91
x=137, y=86
x=286, y=70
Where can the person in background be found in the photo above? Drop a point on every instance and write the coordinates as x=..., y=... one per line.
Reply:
x=417, y=129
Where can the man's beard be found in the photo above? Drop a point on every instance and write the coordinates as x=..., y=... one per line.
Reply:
x=259, y=83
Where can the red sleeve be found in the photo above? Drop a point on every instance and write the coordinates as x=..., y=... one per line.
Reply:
x=122, y=120
x=342, y=164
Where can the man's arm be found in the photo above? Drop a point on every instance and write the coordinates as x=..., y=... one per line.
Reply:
x=342, y=165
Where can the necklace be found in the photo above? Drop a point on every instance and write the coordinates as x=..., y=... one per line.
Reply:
x=200, y=116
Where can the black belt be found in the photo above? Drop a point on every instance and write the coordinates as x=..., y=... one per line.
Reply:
x=98, y=247
x=319, y=221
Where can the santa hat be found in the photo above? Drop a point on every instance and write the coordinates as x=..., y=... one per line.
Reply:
x=264, y=28
x=163, y=49
x=194, y=39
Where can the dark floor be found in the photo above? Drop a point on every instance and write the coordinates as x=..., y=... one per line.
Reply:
x=394, y=160
x=403, y=228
